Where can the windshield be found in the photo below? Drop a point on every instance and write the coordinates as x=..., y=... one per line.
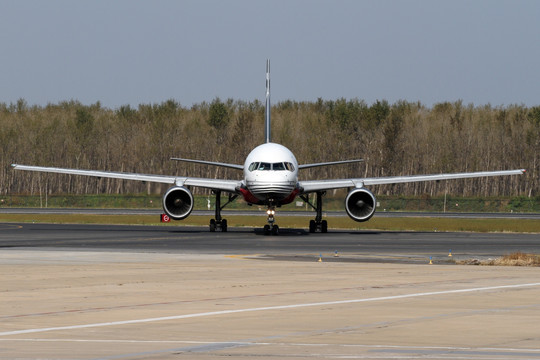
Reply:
x=262, y=166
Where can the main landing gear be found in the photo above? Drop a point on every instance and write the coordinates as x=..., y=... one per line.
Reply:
x=318, y=224
x=218, y=222
x=271, y=227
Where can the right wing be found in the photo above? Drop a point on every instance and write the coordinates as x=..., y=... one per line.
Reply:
x=214, y=184
x=321, y=185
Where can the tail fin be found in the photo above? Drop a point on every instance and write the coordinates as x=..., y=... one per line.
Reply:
x=267, y=113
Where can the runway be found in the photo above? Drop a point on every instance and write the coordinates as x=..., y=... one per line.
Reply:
x=291, y=243
x=150, y=292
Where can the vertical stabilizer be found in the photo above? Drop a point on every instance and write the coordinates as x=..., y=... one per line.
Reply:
x=267, y=137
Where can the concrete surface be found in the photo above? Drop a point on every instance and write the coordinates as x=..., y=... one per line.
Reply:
x=74, y=304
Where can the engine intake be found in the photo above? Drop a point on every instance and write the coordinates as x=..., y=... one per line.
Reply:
x=178, y=202
x=360, y=204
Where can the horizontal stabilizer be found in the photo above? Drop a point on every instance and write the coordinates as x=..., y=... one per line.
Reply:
x=306, y=166
x=232, y=166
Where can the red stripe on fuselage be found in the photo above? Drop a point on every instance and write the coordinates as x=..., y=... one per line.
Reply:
x=249, y=197
x=289, y=199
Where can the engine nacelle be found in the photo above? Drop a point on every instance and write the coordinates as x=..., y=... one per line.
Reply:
x=178, y=202
x=360, y=204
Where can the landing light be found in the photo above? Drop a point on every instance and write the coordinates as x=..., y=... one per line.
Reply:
x=270, y=212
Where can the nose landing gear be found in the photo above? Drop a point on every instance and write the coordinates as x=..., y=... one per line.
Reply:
x=271, y=227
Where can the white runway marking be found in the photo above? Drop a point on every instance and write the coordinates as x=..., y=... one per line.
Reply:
x=267, y=308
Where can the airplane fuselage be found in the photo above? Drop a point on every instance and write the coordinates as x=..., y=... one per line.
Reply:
x=270, y=175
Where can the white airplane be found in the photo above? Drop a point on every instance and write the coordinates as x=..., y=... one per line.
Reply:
x=270, y=179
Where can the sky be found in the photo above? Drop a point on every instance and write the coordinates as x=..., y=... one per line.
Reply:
x=121, y=52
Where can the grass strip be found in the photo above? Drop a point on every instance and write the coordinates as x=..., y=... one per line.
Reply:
x=388, y=224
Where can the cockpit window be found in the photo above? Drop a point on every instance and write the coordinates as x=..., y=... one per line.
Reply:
x=278, y=166
x=265, y=166
x=253, y=166
x=289, y=166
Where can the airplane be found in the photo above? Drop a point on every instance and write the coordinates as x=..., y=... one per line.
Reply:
x=270, y=179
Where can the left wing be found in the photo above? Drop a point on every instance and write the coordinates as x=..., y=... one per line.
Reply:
x=321, y=185
x=214, y=184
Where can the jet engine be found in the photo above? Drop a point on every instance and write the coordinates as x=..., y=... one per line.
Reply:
x=360, y=204
x=178, y=202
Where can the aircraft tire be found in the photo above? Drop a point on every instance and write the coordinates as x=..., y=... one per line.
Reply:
x=324, y=226
x=212, y=225
x=224, y=225
x=312, y=226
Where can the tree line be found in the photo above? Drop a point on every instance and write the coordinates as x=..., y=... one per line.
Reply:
x=403, y=138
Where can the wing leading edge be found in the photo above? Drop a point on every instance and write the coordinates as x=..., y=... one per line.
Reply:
x=321, y=185
x=214, y=184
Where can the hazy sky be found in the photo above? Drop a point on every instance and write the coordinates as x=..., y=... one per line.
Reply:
x=132, y=52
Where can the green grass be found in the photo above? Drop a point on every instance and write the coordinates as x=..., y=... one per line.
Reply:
x=382, y=223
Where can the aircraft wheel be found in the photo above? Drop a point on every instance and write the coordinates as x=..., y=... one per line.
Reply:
x=324, y=226
x=266, y=229
x=312, y=226
x=212, y=225
x=275, y=230
x=224, y=225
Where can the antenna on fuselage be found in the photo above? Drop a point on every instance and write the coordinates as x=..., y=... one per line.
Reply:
x=267, y=137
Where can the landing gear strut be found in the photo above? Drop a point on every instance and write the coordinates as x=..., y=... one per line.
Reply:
x=218, y=222
x=271, y=227
x=318, y=224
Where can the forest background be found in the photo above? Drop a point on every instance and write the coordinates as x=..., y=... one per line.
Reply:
x=403, y=138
